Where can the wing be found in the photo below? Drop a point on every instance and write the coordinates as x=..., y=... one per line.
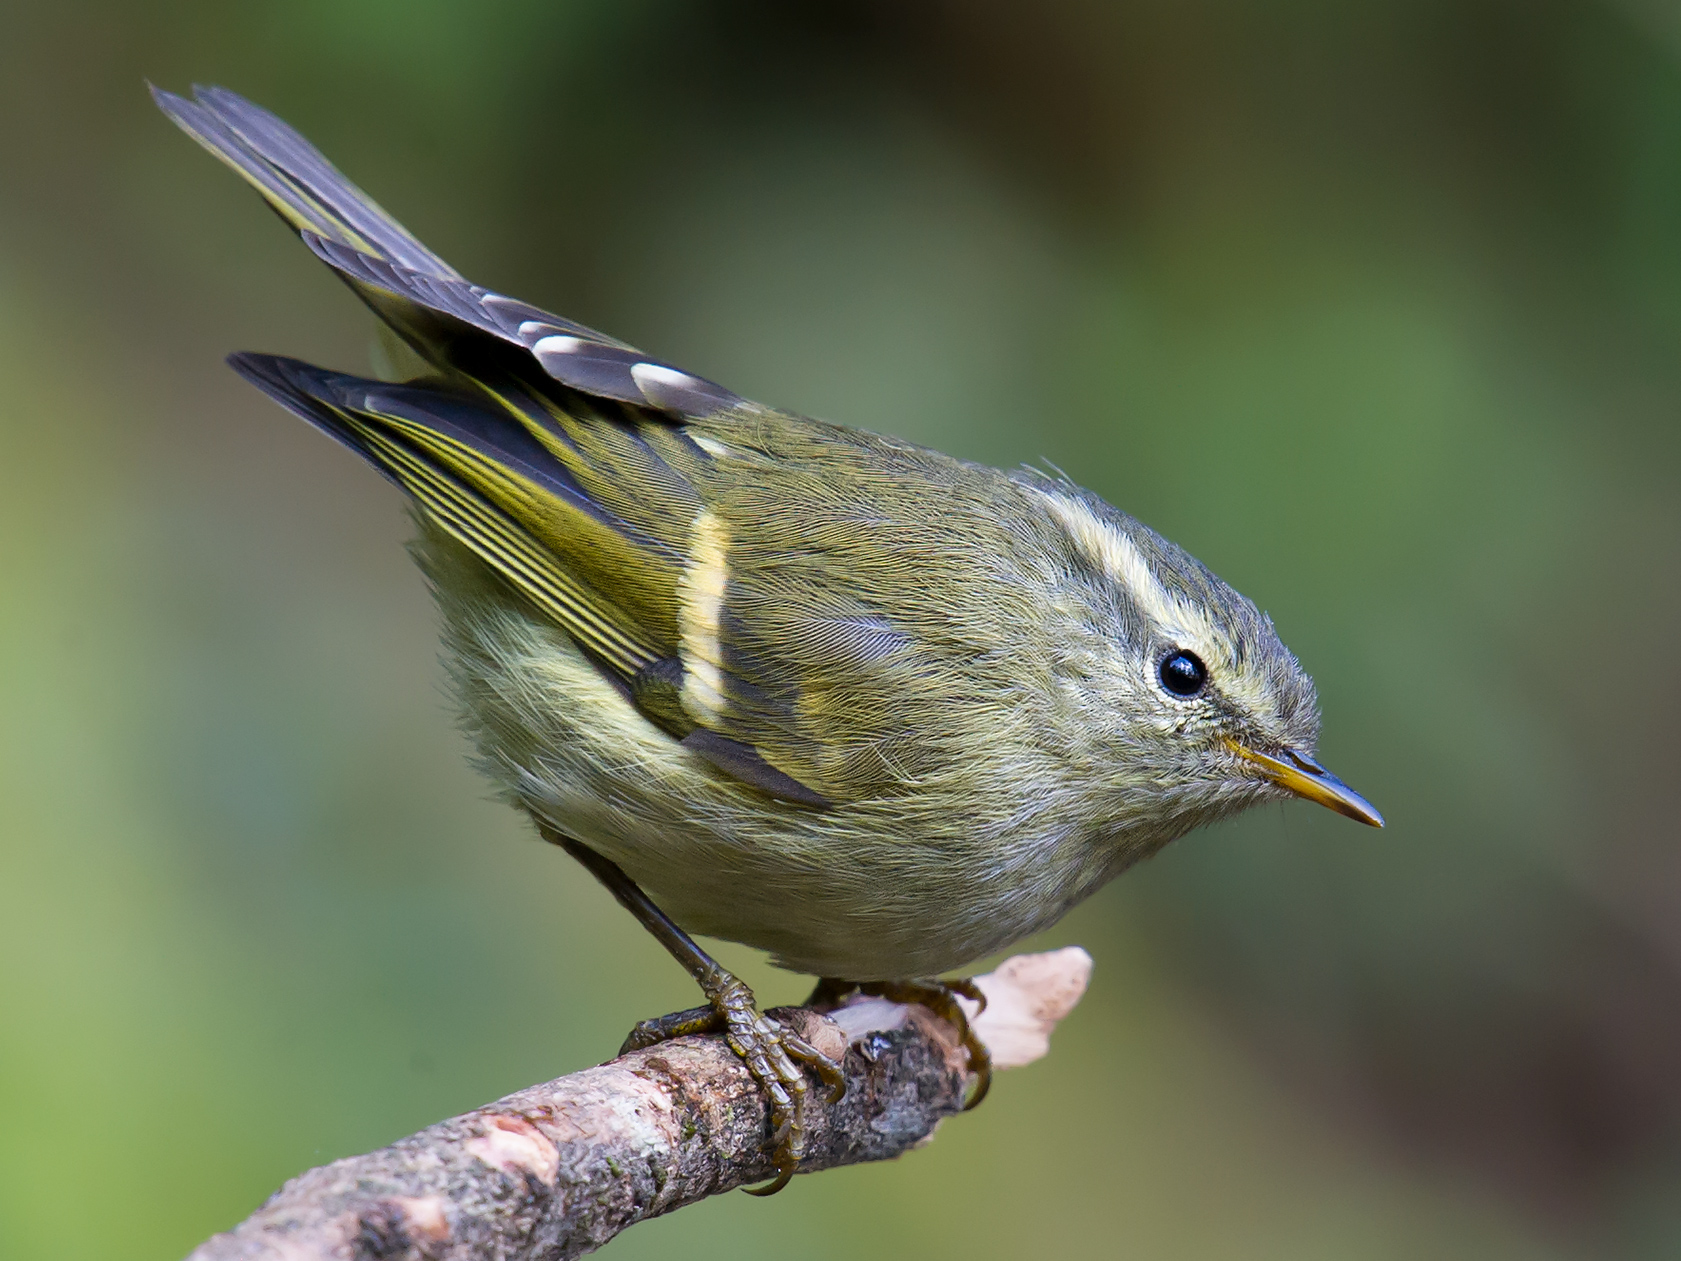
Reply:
x=805, y=606
x=858, y=610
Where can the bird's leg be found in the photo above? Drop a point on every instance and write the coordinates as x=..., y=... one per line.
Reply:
x=939, y=997
x=767, y=1049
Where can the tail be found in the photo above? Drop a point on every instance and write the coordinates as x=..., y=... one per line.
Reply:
x=482, y=477
x=304, y=188
x=560, y=457
x=425, y=300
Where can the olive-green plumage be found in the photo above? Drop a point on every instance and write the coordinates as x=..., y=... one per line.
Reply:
x=868, y=707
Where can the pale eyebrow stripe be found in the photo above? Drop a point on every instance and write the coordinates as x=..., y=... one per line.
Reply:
x=701, y=592
x=1116, y=555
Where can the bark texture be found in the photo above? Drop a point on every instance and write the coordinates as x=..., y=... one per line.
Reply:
x=556, y=1170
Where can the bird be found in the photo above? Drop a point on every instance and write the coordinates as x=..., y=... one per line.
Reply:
x=874, y=710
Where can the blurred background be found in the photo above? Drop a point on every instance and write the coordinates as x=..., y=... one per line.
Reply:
x=1376, y=308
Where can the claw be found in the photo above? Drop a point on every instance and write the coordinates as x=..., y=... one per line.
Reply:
x=834, y=1077
x=783, y=1178
x=771, y=1052
x=764, y=1046
x=968, y=989
x=980, y=1064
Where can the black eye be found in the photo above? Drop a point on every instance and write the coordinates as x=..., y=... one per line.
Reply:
x=1183, y=674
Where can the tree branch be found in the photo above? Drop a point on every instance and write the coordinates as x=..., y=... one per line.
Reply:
x=557, y=1170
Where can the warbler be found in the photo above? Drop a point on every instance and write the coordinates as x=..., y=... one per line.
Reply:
x=867, y=707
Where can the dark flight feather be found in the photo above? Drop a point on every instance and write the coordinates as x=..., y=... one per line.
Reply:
x=389, y=268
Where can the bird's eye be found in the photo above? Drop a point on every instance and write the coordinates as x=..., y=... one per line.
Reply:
x=1183, y=674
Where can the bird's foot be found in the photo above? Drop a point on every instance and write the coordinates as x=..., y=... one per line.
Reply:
x=773, y=1054
x=939, y=997
x=679, y=1024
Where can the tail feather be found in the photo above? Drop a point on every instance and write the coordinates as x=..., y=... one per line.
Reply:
x=307, y=190
x=425, y=300
x=481, y=476
x=297, y=386
x=346, y=406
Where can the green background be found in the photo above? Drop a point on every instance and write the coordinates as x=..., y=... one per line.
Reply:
x=1375, y=307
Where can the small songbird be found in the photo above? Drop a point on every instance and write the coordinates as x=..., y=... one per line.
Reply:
x=869, y=708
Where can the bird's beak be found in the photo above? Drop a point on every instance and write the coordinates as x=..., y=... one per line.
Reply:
x=1306, y=778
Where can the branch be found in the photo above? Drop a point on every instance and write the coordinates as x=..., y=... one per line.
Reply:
x=557, y=1170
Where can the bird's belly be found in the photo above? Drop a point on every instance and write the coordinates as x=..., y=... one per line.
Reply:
x=861, y=891
x=862, y=915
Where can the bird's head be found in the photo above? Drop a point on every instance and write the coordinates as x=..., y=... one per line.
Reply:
x=1194, y=706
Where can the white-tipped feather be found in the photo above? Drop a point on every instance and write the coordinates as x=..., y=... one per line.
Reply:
x=711, y=446
x=646, y=374
x=558, y=344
